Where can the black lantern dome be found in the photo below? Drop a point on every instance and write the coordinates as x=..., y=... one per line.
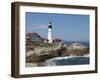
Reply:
x=50, y=25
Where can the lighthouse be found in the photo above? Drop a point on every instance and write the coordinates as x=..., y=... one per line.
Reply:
x=50, y=33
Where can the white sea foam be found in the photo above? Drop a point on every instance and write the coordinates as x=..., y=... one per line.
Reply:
x=51, y=62
x=67, y=57
x=86, y=55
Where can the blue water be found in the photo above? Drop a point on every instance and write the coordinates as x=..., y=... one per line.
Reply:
x=73, y=61
x=85, y=43
x=68, y=61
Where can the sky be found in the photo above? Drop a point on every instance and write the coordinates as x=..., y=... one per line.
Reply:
x=68, y=27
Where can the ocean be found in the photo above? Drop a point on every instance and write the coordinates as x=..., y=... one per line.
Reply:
x=70, y=60
x=85, y=43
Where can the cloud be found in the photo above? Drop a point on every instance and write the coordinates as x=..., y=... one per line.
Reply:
x=39, y=26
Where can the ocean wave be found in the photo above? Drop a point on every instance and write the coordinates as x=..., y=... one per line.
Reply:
x=68, y=60
x=67, y=57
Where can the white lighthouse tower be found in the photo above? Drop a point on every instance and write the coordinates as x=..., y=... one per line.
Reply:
x=50, y=33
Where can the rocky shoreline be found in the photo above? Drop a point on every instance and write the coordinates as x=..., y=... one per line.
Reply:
x=38, y=54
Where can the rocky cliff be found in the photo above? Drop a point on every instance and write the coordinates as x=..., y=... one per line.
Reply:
x=41, y=53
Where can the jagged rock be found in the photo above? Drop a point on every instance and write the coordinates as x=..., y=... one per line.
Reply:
x=40, y=57
x=75, y=46
x=40, y=54
x=75, y=49
x=76, y=52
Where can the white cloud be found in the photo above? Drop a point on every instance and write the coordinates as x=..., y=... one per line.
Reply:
x=39, y=26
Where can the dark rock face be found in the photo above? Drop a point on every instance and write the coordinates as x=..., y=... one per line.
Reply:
x=36, y=58
x=76, y=52
x=40, y=54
